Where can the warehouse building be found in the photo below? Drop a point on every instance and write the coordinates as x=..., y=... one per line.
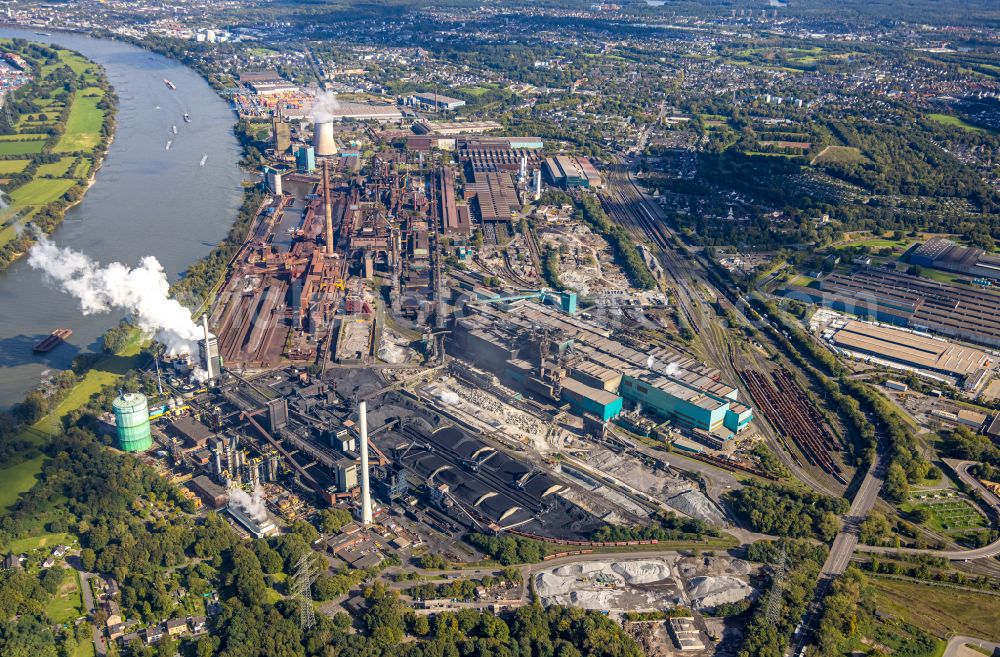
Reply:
x=569, y=171
x=494, y=195
x=941, y=253
x=910, y=349
x=436, y=100
x=554, y=355
x=893, y=298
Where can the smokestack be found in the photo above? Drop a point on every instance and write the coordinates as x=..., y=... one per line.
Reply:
x=208, y=348
x=328, y=209
x=538, y=185
x=523, y=175
x=323, y=140
x=366, y=499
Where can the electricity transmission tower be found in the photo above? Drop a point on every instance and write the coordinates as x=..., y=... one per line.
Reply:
x=302, y=590
x=772, y=606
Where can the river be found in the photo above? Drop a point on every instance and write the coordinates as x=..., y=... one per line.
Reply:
x=175, y=203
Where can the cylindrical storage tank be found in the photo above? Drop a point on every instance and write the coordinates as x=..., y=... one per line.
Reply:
x=132, y=420
x=323, y=142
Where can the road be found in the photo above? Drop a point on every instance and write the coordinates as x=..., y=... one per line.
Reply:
x=956, y=642
x=864, y=500
x=961, y=469
x=88, y=603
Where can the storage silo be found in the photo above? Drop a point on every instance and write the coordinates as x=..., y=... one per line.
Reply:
x=132, y=420
x=323, y=141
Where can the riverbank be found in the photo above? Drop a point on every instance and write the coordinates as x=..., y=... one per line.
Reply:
x=196, y=285
x=58, y=129
x=173, y=203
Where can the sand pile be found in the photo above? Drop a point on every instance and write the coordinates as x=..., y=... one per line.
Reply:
x=712, y=591
x=642, y=572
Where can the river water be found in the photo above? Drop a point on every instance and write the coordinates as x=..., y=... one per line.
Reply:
x=175, y=203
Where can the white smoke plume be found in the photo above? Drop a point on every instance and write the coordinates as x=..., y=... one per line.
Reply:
x=324, y=107
x=142, y=291
x=449, y=397
x=672, y=369
x=650, y=362
x=252, y=505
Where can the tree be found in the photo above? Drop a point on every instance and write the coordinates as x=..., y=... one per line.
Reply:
x=333, y=520
x=248, y=576
x=87, y=558
x=875, y=529
x=897, y=488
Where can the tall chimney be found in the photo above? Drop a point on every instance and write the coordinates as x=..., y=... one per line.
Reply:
x=366, y=499
x=208, y=348
x=329, y=210
x=538, y=184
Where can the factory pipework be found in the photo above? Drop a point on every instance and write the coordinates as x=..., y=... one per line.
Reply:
x=327, y=207
x=366, y=499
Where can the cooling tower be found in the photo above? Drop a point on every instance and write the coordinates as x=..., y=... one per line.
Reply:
x=323, y=141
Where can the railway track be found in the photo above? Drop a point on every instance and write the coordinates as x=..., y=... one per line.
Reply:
x=787, y=407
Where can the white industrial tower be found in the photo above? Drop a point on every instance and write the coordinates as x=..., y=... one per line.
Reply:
x=366, y=498
x=208, y=347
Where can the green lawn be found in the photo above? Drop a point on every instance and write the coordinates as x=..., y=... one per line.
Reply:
x=40, y=191
x=18, y=479
x=105, y=372
x=21, y=147
x=45, y=540
x=942, y=611
x=83, y=128
x=66, y=605
x=948, y=119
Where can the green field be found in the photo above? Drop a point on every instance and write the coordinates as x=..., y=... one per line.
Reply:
x=21, y=147
x=23, y=137
x=839, y=154
x=17, y=479
x=82, y=171
x=83, y=128
x=13, y=166
x=948, y=119
x=942, y=611
x=56, y=169
x=66, y=605
x=947, y=514
x=878, y=243
x=105, y=372
x=44, y=540
x=40, y=191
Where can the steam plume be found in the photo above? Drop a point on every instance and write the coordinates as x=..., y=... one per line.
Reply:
x=252, y=505
x=324, y=107
x=141, y=291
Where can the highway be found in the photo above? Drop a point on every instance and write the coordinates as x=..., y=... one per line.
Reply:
x=961, y=469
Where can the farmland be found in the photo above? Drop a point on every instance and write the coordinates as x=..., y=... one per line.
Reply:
x=52, y=138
